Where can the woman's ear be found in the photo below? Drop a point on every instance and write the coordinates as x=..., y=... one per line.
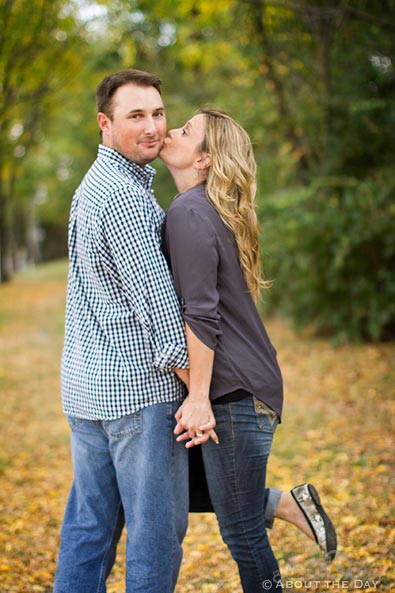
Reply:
x=203, y=161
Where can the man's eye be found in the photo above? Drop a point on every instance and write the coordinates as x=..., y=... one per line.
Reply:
x=183, y=132
x=159, y=114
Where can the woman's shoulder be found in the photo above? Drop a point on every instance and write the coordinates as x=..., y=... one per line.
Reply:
x=194, y=200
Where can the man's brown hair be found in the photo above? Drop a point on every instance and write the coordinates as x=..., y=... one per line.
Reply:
x=106, y=89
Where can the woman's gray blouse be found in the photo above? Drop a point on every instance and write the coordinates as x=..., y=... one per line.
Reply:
x=202, y=254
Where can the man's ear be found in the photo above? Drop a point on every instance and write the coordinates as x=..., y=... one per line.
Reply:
x=103, y=121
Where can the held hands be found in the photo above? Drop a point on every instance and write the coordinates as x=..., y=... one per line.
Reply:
x=195, y=421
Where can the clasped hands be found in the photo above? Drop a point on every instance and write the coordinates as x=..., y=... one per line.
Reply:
x=195, y=422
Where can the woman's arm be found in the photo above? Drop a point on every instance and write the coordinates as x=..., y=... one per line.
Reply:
x=196, y=416
x=192, y=246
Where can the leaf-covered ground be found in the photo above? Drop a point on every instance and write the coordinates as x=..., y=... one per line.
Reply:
x=337, y=432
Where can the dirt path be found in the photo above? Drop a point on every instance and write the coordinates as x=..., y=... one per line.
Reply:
x=337, y=432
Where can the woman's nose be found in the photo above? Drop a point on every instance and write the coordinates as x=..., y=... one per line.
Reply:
x=174, y=132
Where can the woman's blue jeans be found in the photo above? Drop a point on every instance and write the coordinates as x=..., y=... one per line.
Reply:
x=132, y=471
x=236, y=475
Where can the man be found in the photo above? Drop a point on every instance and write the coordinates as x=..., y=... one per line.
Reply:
x=124, y=337
x=124, y=345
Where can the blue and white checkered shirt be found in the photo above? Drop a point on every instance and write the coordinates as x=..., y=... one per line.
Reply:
x=124, y=331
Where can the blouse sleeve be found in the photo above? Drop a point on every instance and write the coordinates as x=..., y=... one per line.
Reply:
x=193, y=253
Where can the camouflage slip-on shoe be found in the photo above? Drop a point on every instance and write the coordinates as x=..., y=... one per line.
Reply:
x=307, y=499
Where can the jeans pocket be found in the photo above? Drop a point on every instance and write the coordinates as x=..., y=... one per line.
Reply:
x=74, y=422
x=267, y=418
x=124, y=427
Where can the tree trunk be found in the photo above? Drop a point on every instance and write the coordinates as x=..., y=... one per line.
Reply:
x=5, y=256
x=298, y=146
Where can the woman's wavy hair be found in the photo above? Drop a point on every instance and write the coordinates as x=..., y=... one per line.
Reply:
x=231, y=189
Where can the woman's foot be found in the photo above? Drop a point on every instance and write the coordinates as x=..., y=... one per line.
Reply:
x=302, y=507
x=307, y=499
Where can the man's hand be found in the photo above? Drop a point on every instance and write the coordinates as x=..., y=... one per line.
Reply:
x=195, y=421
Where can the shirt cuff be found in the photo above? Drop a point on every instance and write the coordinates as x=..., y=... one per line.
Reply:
x=171, y=356
x=207, y=330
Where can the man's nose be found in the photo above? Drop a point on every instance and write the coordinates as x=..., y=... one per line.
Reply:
x=150, y=126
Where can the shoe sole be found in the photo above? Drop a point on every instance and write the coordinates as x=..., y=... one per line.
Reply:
x=331, y=538
x=330, y=532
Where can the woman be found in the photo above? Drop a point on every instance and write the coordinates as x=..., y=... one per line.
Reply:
x=234, y=382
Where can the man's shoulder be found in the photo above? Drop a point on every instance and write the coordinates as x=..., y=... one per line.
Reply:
x=111, y=176
x=105, y=181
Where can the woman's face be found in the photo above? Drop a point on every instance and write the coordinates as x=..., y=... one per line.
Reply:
x=182, y=146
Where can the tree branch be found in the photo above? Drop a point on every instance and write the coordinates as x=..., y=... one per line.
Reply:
x=329, y=12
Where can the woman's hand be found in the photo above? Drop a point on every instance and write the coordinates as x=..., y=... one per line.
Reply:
x=195, y=421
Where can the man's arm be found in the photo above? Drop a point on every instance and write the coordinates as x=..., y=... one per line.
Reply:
x=183, y=374
x=135, y=249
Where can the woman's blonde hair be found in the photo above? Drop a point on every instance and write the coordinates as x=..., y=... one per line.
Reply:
x=231, y=189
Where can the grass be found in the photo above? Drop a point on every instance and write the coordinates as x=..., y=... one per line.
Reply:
x=337, y=432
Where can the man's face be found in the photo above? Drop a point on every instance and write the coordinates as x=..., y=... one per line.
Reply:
x=138, y=125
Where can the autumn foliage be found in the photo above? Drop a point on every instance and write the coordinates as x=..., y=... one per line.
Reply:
x=337, y=433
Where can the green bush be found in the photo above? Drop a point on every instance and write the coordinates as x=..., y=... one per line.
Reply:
x=330, y=250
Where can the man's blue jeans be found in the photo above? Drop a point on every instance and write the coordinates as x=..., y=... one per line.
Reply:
x=236, y=475
x=132, y=471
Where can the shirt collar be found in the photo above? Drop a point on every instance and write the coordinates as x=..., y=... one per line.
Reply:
x=144, y=174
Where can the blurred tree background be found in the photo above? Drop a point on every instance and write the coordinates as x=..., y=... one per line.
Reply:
x=312, y=81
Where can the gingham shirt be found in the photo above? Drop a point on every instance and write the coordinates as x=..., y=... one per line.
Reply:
x=124, y=331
